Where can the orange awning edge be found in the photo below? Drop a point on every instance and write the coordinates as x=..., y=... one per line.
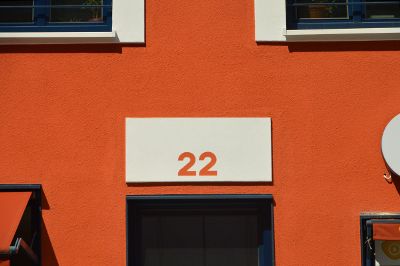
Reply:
x=12, y=207
x=386, y=231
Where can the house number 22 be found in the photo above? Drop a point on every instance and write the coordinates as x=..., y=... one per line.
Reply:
x=205, y=171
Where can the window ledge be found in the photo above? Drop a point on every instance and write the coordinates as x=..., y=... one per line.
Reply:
x=370, y=34
x=58, y=37
x=270, y=26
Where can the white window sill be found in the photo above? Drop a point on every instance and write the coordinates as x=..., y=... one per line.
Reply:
x=58, y=37
x=363, y=34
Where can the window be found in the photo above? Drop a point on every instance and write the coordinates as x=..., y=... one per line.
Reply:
x=322, y=14
x=380, y=239
x=71, y=21
x=202, y=230
x=55, y=15
x=327, y=20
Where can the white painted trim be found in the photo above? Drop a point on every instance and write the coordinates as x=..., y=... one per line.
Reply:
x=128, y=27
x=364, y=34
x=57, y=37
x=270, y=20
x=129, y=20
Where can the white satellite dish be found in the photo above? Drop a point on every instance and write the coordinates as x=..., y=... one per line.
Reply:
x=391, y=145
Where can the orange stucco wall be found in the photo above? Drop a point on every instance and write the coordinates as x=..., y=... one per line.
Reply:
x=62, y=111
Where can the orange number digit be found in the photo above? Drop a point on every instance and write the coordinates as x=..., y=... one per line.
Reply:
x=184, y=171
x=206, y=169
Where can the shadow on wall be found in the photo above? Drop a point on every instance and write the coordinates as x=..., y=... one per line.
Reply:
x=192, y=184
x=48, y=255
x=396, y=181
x=339, y=46
x=66, y=48
x=292, y=47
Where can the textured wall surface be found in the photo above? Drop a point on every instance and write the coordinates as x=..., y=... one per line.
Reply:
x=62, y=111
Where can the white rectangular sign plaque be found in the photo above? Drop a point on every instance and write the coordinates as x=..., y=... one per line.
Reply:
x=198, y=150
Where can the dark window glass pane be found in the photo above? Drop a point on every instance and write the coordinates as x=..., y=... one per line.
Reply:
x=15, y=12
x=172, y=240
x=387, y=251
x=231, y=240
x=199, y=240
x=315, y=9
x=82, y=11
x=382, y=11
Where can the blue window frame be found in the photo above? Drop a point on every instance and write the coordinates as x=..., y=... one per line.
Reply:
x=335, y=14
x=200, y=230
x=368, y=251
x=55, y=15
